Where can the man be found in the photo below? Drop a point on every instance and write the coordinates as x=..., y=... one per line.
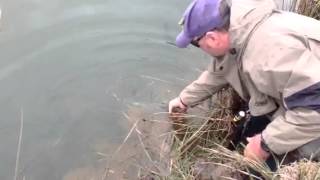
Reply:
x=271, y=58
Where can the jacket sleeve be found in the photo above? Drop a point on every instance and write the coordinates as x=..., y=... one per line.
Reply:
x=299, y=122
x=208, y=83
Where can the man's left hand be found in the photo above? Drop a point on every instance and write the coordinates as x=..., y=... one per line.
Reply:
x=254, y=151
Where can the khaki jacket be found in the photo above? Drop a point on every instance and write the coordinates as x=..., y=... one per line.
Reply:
x=275, y=62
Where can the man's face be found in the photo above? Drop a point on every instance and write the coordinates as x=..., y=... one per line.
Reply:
x=216, y=42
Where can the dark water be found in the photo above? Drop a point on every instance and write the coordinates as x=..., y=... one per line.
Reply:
x=74, y=67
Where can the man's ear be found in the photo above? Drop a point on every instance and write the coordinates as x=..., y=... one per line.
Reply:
x=212, y=38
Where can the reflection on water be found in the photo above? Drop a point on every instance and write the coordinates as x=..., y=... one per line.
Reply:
x=74, y=67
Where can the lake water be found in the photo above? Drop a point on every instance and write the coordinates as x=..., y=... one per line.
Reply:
x=73, y=68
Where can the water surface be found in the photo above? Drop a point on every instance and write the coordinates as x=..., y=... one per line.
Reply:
x=74, y=67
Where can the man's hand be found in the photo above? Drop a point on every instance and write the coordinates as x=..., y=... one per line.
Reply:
x=254, y=151
x=177, y=103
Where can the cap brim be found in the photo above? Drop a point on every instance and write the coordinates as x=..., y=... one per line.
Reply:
x=182, y=40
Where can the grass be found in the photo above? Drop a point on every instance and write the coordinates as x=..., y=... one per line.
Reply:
x=208, y=159
x=16, y=171
x=199, y=150
x=309, y=8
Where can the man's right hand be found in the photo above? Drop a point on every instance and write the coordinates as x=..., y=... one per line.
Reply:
x=254, y=151
x=177, y=103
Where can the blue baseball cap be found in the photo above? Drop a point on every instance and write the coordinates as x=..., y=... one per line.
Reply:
x=200, y=17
